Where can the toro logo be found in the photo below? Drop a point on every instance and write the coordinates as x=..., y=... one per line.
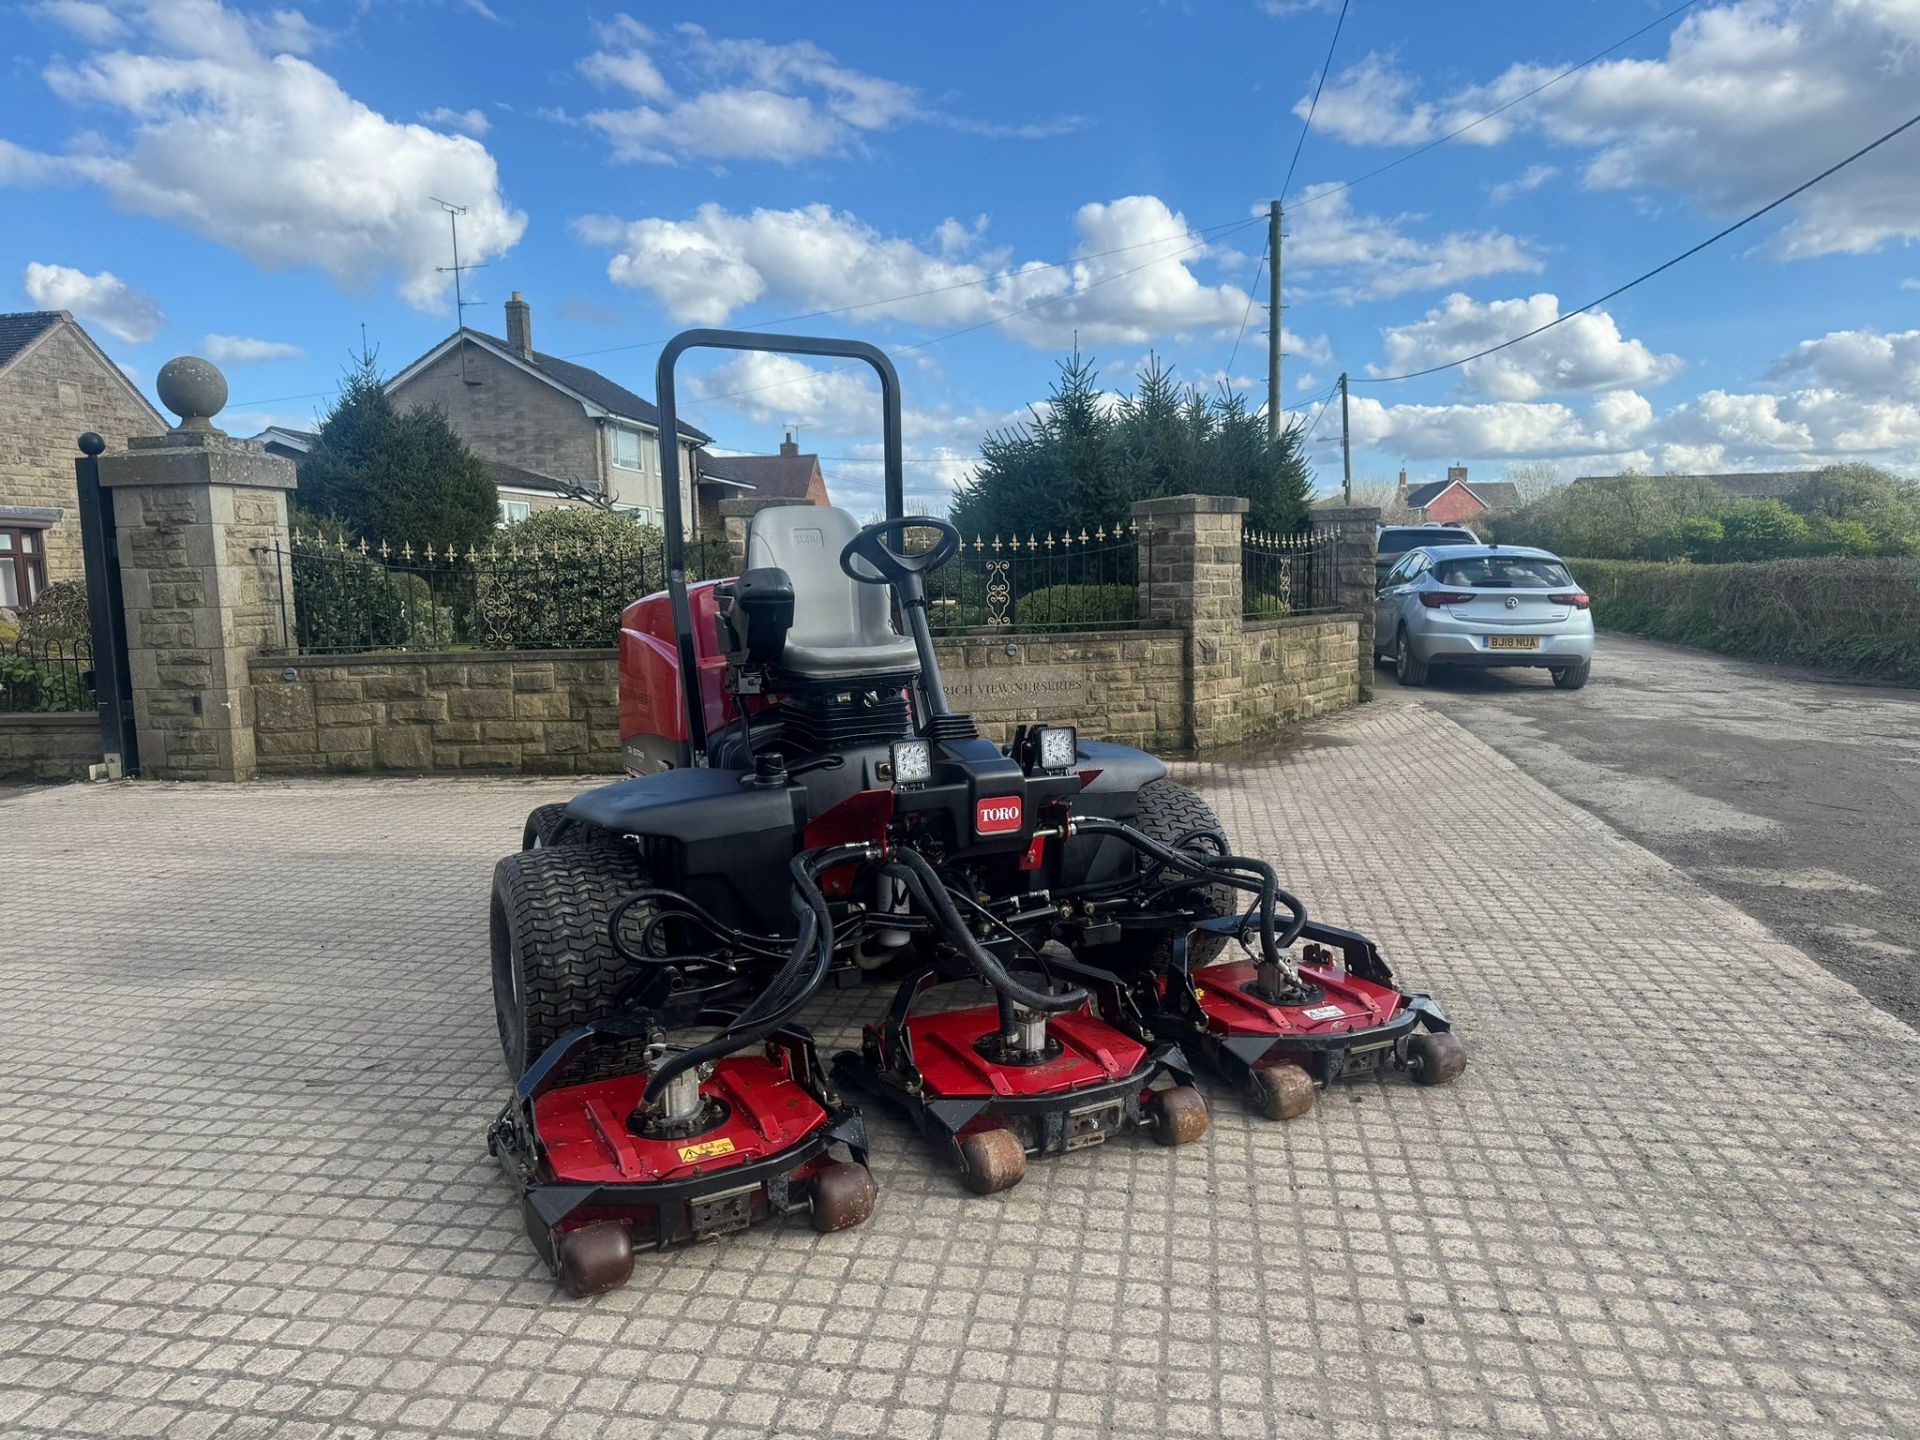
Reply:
x=998, y=816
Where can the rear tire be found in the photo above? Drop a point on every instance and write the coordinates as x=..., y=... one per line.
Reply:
x=1571, y=677
x=1408, y=668
x=554, y=965
x=1165, y=811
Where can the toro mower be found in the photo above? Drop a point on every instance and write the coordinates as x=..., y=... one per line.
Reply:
x=805, y=808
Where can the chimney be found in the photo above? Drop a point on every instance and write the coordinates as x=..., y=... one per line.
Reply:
x=1400, y=494
x=788, y=447
x=1456, y=472
x=520, y=327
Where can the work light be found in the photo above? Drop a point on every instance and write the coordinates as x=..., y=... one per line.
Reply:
x=1058, y=747
x=912, y=762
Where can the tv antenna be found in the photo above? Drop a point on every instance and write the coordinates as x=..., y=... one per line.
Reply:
x=460, y=302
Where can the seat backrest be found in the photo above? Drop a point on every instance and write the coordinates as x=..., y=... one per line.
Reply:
x=829, y=608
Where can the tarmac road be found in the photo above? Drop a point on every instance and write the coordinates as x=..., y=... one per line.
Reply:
x=1792, y=795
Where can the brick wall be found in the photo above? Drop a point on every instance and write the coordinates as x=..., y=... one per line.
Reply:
x=48, y=398
x=48, y=747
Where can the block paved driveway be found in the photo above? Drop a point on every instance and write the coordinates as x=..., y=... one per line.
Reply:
x=247, y=1055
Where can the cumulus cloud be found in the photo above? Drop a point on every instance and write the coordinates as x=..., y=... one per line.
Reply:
x=467, y=122
x=1849, y=395
x=252, y=147
x=244, y=350
x=748, y=99
x=1375, y=256
x=85, y=18
x=1586, y=353
x=705, y=268
x=1531, y=178
x=1749, y=99
x=104, y=300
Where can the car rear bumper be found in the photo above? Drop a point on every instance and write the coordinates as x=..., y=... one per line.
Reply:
x=1553, y=650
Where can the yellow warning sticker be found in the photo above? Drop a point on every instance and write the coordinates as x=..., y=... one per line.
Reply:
x=705, y=1150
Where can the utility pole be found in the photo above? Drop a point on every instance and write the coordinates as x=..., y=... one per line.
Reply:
x=1346, y=441
x=1273, y=321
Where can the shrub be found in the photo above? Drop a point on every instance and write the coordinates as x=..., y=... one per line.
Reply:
x=1067, y=607
x=1859, y=614
x=560, y=578
x=28, y=683
x=60, y=613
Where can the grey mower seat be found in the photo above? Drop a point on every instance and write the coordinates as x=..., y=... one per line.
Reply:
x=842, y=629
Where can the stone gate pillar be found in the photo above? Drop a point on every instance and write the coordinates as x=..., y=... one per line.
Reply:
x=1356, y=542
x=1190, y=547
x=199, y=514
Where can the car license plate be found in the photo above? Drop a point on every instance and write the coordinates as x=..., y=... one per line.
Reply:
x=1513, y=642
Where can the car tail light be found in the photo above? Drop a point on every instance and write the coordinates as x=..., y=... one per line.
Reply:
x=1575, y=598
x=1434, y=599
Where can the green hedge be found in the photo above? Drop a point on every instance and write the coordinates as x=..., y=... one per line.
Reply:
x=1856, y=614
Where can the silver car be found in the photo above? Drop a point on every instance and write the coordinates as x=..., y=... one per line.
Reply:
x=1484, y=605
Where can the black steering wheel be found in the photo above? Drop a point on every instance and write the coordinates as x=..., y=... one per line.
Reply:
x=889, y=565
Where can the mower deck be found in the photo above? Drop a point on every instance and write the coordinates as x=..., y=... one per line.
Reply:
x=954, y=1075
x=597, y=1187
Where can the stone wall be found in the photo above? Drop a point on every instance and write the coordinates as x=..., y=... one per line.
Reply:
x=1295, y=669
x=60, y=388
x=535, y=711
x=1128, y=685
x=49, y=747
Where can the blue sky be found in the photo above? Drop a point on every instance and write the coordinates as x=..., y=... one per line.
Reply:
x=254, y=183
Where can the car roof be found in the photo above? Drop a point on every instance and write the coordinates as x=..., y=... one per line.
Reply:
x=1471, y=552
x=1429, y=525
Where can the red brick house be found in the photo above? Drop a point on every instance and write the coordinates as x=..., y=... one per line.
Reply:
x=788, y=475
x=1453, y=501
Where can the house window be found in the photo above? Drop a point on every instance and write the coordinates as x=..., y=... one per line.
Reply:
x=626, y=448
x=512, y=510
x=23, y=567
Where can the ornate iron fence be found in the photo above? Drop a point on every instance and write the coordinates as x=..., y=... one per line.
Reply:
x=354, y=596
x=1096, y=578
x=45, y=677
x=1283, y=575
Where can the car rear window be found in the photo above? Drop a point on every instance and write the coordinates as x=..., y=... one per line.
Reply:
x=1391, y=540
x=1513, y=572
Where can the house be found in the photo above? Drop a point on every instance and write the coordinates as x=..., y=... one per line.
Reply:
x=294, y=445
x=788, y=475
x=1745, y=484
x=1453, y=501
x=552, y=433
x=55, y=384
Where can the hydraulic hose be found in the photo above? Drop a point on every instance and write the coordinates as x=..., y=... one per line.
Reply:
x=1242, y=872
x=794, y=984
x=925, y=886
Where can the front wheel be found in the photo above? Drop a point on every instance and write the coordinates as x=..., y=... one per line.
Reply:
x=1166, y=811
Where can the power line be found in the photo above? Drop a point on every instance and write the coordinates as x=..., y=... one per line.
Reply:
x=1498, y=110
x=1314, y=105
x=1252, y=290
x=1805, y=185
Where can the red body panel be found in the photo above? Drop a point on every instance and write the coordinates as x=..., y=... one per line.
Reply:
x=584, y=1127
x=1351, y=1004
x=1091, y=1053
x=651, y=700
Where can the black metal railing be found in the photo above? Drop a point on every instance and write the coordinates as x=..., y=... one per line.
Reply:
x=1093, y=578
x=352, y=596
x=40, y=677
x=1282, y=575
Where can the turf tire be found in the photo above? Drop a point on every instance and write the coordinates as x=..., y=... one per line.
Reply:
x=1164, y=811
x=549, y=827
x=554, y=966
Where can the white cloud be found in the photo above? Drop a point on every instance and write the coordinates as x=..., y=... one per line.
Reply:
x=1910, y=284
x=85, y=18
x=705, y=268
x=1857, y=362
x=1586, y=353
x=1532, y=178
x=1750, y=99
x=103, y=300
x=244, y=350
x=1376, y=258
x=467, y=122
x=266, y=154
x=747, y=99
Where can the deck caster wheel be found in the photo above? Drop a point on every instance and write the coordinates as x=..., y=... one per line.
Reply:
x=843, y=1195
x=992, y=1161
x=1436, y=1058
x=1282, y=1092
x=1177, y=1115
x=596, y=1258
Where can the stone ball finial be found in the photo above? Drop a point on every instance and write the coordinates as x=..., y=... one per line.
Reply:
x=194, y=389
x=92, y=444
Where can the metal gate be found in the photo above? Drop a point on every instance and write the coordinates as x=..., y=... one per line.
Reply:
x=107, y=614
